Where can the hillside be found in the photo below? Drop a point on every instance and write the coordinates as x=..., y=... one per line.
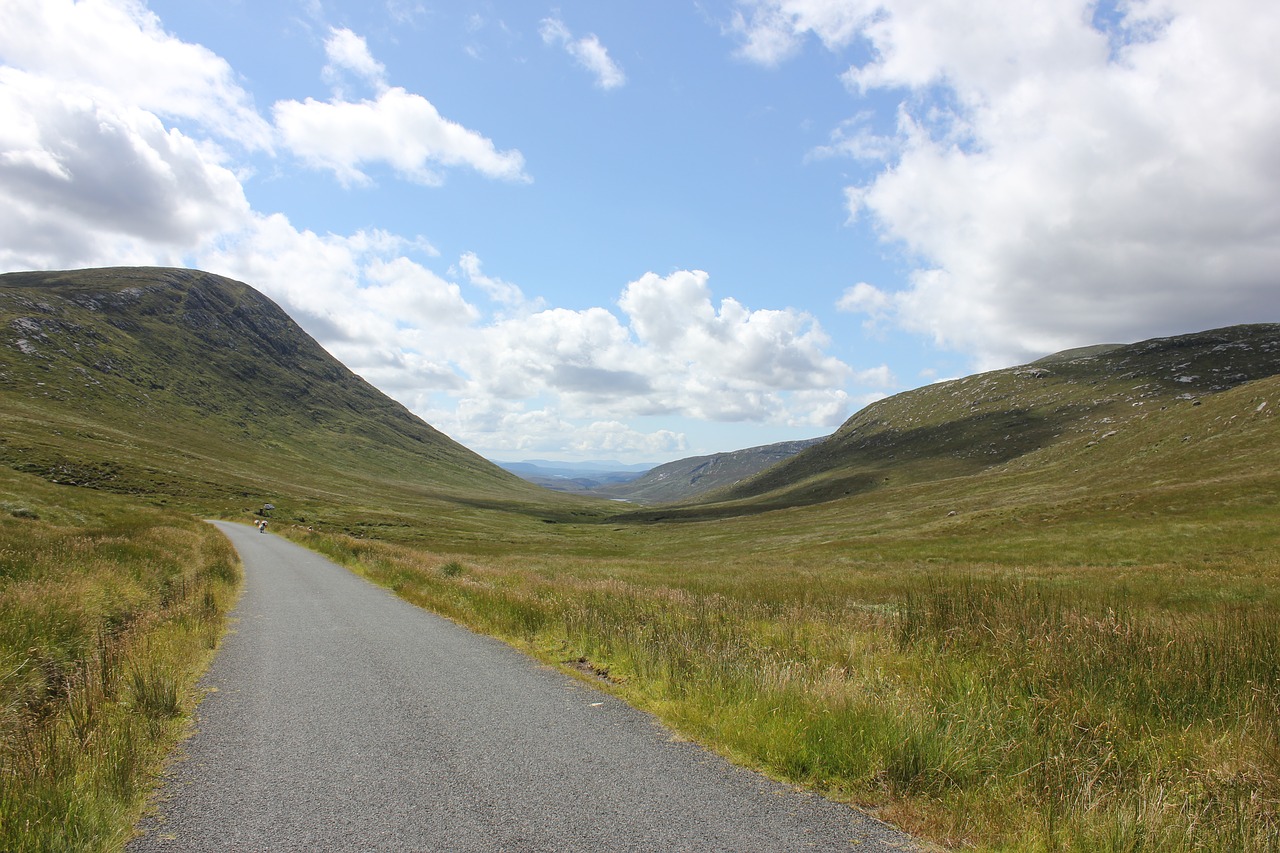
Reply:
x=191, y=389
x=1034, y=413
x=186, y=386
x=687, y=479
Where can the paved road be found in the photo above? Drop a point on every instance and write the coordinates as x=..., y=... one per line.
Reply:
x=343, y=718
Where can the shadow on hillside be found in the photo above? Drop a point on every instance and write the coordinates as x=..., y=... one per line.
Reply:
x=871, y=457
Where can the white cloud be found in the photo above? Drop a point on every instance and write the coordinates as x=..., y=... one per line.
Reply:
x=348, y=52
x=586, y=354
x=587, y=51
x=399, y=128
x=508, y=382
x=748, y=350
x=83, y=182
x=90, y=174
x=855, y=139
x=824, y=409
x=1061, y=182
x=359, y=295
x=617, y=437
x=772, y=31
x=864, y=298
x=118, y=55
x=504, y=293
x=414, y=295
x=509, y=431
x=880, y=376
x=675, y=354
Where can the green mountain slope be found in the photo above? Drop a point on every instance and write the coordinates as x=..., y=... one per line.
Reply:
x=1035, y=414
x=192, y=387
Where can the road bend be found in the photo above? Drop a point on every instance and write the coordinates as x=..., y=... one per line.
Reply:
x=341, y=718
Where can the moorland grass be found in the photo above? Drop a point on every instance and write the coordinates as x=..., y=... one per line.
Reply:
x=1042, y=709
x=108, y=612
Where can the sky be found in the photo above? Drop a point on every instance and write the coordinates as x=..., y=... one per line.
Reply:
x=647, y=231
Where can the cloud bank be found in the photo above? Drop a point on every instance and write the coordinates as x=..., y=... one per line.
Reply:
x=1060, y=173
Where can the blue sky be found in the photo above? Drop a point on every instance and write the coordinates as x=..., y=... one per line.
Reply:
x=649, y=231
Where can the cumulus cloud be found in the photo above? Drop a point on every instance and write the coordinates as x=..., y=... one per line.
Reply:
x=399, y=128
x=617, y=437
x=865, y=298
x=118, y=55
x=396, y=127
x=752, y=350
x=511, y=430
x=672, y=352
x=1061, y=177
x=587, y=51
x=92, y=170
x=520, y=359
x=84, y=182
x=512, y=383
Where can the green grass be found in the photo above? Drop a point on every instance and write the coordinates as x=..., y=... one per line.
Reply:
x=108, y=612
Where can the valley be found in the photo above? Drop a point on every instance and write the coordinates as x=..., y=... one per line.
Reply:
x=1032, y=609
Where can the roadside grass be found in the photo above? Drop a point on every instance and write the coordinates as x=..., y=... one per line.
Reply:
x=1046, y=708
x=108, y=613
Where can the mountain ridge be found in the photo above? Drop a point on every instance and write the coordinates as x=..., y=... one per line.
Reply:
x=197, y=387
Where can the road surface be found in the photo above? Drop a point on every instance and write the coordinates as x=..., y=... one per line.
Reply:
x=342, y=718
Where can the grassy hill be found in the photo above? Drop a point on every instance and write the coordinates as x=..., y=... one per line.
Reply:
x=1034, y=415
x=196, y=390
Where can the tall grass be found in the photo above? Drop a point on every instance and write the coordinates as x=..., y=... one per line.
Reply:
x=105, y=620
x=1001, y=710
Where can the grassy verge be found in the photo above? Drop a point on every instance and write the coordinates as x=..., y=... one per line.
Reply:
x=999, y=707
x=108, y=612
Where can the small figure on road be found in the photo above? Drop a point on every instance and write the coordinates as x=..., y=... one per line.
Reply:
x=263, y=528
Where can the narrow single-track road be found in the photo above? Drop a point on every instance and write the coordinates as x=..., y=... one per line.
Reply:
x=342, y=718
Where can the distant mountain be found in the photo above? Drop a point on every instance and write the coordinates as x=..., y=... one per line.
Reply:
x=573, y=469
x=686, y=479
x=681, y=480
x=576, y=477
x=179, y=383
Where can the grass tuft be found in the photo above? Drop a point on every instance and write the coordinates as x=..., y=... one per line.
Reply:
x=104, y=625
